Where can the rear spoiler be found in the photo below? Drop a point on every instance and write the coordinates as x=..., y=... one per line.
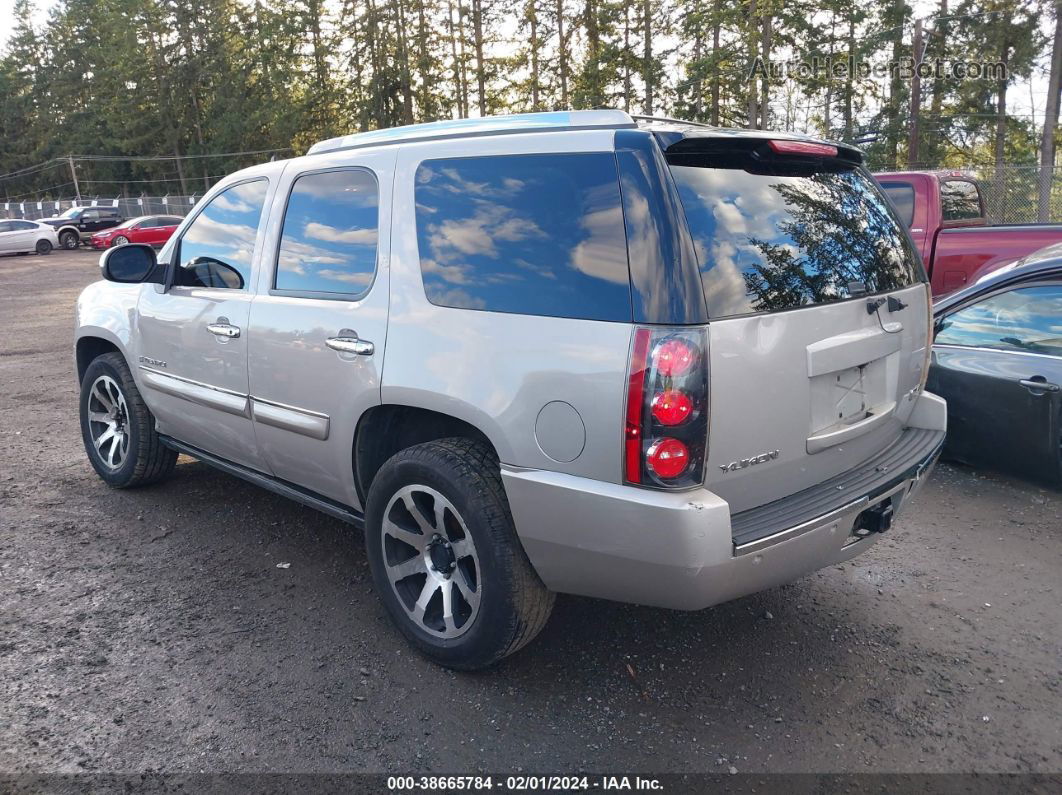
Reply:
x=761, y=146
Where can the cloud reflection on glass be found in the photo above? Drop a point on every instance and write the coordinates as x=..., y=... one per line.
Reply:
x=528, y=234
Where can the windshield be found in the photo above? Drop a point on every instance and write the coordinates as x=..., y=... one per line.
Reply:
x=73, y=212
x=768, y=241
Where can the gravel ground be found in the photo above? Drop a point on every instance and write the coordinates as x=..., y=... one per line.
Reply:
x=153, y=630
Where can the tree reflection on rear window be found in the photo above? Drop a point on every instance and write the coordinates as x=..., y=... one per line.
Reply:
x=768, y=242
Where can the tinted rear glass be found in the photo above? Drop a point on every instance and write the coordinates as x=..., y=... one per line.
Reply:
x=902, y=196
x=774, y=241
x=525, y=234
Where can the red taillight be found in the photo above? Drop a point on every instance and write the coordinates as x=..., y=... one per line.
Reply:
x=803, y=148
x=666, y=421
x=672, y=407
x=667, y=458
x=673, y=357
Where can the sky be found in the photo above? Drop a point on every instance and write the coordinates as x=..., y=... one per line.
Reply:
x=1026, y=97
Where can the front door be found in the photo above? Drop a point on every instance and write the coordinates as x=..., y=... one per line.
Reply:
x=193, y=337
x=998, y=363
x=320, y=320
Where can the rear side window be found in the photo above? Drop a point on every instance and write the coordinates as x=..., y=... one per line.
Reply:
x=329, y=240
x=524, y=234
x=768, y=241
x=959, y=200
x=901, y=194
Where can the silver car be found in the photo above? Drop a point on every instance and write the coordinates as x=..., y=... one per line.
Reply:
x=19, y=236
x=579, y=352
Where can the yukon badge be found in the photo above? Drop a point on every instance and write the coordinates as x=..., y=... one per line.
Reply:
x=733, y=466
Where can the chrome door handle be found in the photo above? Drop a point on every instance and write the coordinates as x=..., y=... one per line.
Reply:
x=351, y=345
x=1039, y=385
x=223, y=330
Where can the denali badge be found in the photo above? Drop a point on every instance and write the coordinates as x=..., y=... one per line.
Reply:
x=152, y=362
x=733, y=466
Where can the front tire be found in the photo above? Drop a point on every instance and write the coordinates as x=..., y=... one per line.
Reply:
x=445, y=557
x=120, y=240
x=69, y=240
x=43, y=247
x=117, y=428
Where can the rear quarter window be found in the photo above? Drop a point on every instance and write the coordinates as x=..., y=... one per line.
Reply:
x=902, y=196
x=524, y=234
x=769, y=242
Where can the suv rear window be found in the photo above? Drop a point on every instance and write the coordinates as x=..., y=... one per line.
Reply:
x=524, y=234
x=769, y=239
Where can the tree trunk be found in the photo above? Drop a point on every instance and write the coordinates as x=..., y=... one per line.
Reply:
x=562, y=55
x=458, y=83
x=1047, y=142
x=1001, y=120
x=647, y=54
x=849, y=133
x=481, y=74
x=627, y=57
x=753, y=111
x=765, y=84
x=532, y=16
x=716, y=26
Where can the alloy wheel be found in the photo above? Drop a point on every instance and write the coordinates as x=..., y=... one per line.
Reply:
x=431, y=561
x=108, y=419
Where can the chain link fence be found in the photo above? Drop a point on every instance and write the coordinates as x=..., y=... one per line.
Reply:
x=129, y=207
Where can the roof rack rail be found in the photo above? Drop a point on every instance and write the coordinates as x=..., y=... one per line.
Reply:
x=669, y=120
x=487, y=125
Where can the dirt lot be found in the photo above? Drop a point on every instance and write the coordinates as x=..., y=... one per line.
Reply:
x=153, y=630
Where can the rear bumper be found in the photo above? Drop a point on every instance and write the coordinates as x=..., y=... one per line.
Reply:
x=680, y=550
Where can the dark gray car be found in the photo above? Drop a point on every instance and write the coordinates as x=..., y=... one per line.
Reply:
x=997, y=360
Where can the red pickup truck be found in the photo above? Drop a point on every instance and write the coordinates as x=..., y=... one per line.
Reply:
x=946, y=215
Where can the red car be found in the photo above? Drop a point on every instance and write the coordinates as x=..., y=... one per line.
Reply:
x=946, y=215
x=152, y=229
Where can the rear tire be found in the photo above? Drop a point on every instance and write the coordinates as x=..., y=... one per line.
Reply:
x=117, y=428
x=43, y=247
x=463, y=542
x=69, y=240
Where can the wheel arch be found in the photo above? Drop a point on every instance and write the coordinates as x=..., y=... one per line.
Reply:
x=68, y=228
x=91, y=346
x=386, y=429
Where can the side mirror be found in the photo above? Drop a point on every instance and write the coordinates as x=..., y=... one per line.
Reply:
x=130, y=264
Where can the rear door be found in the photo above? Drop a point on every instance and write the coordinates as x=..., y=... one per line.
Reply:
x=319, y=321
x=998, y=363
x=811, y=370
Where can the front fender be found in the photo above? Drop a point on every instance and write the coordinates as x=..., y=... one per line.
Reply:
x=107, y=311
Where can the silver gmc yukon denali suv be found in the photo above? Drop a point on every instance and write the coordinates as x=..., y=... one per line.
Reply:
x=636, y=359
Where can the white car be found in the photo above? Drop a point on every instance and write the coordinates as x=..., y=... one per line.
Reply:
x=19, y=236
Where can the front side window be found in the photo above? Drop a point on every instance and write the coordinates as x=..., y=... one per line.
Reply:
x=1026, y=319
x=216, y=249
x=770, y=239
x=959, y=201
x=524, y=234
x=328, y=244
